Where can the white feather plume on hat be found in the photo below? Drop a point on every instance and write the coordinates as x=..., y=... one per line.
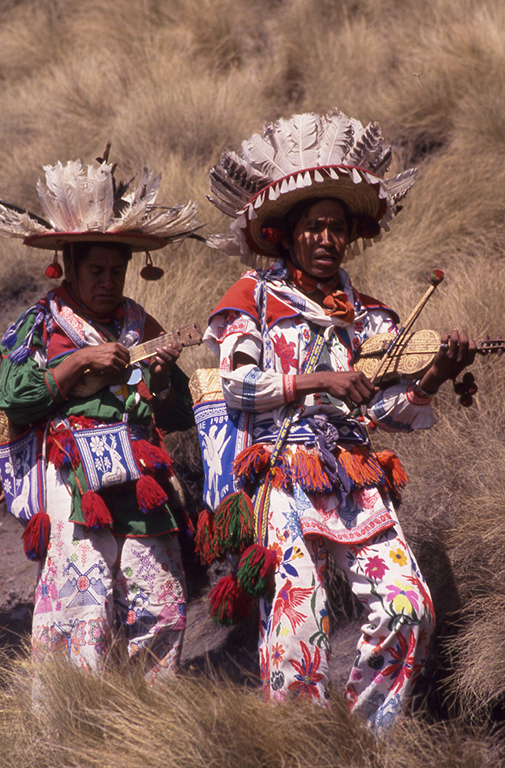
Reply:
x=84, y=205
x=309, y=155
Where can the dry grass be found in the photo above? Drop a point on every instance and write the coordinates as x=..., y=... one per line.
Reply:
x=173, y=82
x=81, y=720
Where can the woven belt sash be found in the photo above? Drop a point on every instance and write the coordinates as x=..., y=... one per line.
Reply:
x=262, y=498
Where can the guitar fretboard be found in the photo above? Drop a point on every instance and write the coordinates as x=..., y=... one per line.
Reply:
x=187, y=336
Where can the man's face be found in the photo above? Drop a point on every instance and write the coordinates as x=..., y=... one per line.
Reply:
x=99, y=280
x=320, y=239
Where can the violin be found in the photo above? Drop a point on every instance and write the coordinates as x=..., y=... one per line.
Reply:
x=411, y=357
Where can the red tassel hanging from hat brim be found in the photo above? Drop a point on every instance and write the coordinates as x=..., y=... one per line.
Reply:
x=54, y=270
x=150, y=272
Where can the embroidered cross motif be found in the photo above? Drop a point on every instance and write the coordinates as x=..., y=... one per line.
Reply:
x=81, y=587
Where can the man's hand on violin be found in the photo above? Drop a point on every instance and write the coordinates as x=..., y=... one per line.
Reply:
x=456, y=352
x=352, y=387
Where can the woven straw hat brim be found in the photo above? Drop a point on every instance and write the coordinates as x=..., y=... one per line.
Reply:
x=136, y=240
x=360, y=198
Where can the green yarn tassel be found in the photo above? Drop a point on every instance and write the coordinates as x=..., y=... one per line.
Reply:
x=256, y=571
x=234, y=523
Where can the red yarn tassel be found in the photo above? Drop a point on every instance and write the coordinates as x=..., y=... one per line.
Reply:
x=204, y=544
x=95, y=511
x=234, y=523
x=54, y=270
x=36, y=535
x=228, y=603
x=151, y=457
x=256, y=571
x=150, y=494
x=61, y=449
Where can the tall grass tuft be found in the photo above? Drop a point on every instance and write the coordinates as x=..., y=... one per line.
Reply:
x=65, y=718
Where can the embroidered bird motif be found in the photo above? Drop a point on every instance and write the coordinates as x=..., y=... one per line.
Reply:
x=287, y=599
x=285, y=351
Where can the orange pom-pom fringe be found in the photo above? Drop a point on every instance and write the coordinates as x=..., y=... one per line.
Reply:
x=308, y=472
x=251, y=462
x=395, y=476
x=281, y=473
x=361, y=467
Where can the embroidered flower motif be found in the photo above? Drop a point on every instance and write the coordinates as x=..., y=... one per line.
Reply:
x=277, y=656
x=425, y=597
x=404, y=598
x=306, y=681
x=7, y=486
x=265, y=673
x=97, y=445
x=398, y=556
x=376, y=661
x=356, y=675
x=103, y=464
x=367, y=498
x=12, y=467
x=375, y=568
x=403, y=656
x=277, y=680
x=280, y=695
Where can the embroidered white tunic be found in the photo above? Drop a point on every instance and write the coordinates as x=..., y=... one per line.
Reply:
x=402, y=407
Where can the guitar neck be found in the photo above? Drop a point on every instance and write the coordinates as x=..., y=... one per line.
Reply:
x=186, y=336
x=490, y=345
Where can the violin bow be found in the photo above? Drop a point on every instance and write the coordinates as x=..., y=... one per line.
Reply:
x=394, y=348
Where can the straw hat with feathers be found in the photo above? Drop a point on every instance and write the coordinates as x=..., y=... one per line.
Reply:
x=307, y=156
x=91, y=206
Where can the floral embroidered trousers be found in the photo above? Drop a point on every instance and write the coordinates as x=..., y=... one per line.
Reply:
x=294, y=627
x=95, y=590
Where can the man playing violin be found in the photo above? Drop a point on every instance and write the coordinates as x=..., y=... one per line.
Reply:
x=330, y=491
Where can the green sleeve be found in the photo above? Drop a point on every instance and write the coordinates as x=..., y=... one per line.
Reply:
x=27, y=392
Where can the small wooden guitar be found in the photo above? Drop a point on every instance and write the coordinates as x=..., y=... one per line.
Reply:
x=91, y=382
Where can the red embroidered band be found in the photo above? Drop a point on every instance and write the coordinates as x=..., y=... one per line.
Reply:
x=289, y=387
